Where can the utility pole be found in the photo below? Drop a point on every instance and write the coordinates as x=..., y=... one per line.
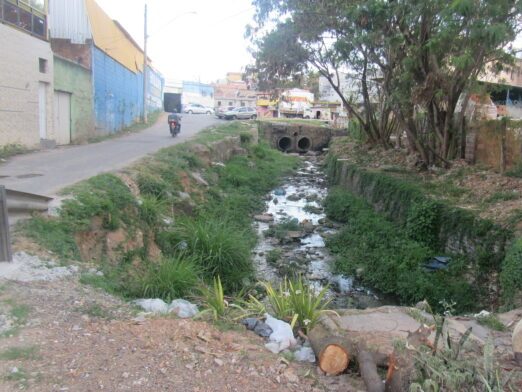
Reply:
x=145, y=72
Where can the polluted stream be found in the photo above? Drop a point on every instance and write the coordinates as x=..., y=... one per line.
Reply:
x=292, y=233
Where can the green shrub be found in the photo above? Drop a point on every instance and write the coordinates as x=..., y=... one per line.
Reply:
x=169, y=278
x=422, y=223
x=220, y=249
x=280, y=230
x=151, y=209
x=245, y=138
x=392, y=262
x=511, y=275
x=295, y=301
x=152, y=185
x=273, y=256
x=105, y=196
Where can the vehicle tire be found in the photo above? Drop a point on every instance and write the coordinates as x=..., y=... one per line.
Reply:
x=234, y=117
x=208, y=113
x=190, y=112
x=254, y=116
x=307, y=117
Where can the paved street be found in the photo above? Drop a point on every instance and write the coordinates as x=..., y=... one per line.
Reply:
x=46, y=172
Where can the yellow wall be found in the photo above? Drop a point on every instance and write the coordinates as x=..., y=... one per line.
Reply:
x=110, y=38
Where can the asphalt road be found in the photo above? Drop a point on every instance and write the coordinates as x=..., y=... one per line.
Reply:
x=46, y=172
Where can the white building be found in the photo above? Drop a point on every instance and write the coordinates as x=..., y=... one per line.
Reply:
x=26, y=78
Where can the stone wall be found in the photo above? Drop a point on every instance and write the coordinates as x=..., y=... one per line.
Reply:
x=297, y=137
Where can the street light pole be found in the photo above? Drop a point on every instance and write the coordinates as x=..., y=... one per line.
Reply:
x=145, y=71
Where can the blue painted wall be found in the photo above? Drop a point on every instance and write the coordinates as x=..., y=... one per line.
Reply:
x=118, y=94
x=155, y=89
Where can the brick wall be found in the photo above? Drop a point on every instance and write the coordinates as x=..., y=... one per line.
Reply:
x=78, y=53
x=19, y=83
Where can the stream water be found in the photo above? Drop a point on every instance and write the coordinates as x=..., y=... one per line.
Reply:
x=302, y=250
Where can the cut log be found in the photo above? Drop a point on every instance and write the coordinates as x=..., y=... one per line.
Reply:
x=330, y=348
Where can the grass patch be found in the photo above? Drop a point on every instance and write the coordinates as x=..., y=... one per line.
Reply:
x=502, y=196
x=169, y=279
x=96, y=311
x=273, y=256
x=51, y=234
x=23, y=353
x=491, y=321
x=19, y=376
x=392, y=261
x=10, y=150
x=281, y=229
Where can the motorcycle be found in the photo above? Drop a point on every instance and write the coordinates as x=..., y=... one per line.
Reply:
x=174, y=120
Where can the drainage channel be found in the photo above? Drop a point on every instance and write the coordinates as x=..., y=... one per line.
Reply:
x=301, y=250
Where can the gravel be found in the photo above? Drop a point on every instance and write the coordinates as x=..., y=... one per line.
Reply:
x=27, y=268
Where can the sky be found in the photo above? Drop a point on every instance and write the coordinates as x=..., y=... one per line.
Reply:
x=198, y=40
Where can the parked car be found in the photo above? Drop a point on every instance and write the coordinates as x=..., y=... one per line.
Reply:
x=196, y=108
x=220, y=111
x=241, y=113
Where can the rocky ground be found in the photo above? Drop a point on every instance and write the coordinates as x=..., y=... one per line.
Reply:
x=61, y=335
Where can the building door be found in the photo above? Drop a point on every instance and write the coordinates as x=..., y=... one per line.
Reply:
x=62, y=117
x=42, y=109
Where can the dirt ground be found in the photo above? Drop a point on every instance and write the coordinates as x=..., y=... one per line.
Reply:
x=66, y=336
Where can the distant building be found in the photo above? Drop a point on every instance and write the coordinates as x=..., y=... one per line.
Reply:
x=83, y=33
x=233, y=91
x=505, y=97
x=26, y=76
x=197, y=92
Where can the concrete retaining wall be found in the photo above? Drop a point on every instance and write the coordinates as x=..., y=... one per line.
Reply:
x=296, y=137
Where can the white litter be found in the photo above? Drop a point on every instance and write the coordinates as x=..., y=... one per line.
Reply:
x=153, y=305
x=282, y=336
x=304, y=354
x=482, y=314
x=180, y=307
x=27, y=268
x=183, y=308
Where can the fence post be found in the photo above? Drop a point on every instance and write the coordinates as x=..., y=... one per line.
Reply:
x=5, y=243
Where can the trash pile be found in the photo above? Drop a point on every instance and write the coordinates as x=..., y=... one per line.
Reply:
x=280, y=337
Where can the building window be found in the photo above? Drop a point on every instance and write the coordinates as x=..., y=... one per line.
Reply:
x=219, y=103
x=42, y=63
x=242, y=104
x=231, y=104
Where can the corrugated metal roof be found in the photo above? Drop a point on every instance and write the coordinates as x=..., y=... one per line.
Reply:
x=110, y=37
x=68, y=20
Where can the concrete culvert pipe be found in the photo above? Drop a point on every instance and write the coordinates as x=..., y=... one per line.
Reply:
x=304, y=144
x=285, y=143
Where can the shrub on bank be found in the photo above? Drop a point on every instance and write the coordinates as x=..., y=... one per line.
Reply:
x=511, y=276
x=390, y=260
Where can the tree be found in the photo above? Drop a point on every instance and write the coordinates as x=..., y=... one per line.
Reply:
x=426, y=54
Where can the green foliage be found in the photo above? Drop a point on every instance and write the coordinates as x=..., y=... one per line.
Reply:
x=273, y=256
x=422, y=223
x=392, y=261
x=213, y=299
x=511, y=275
x=152, y=185
x=151, y=209
x=20, y=353
x=502, y=196
x=296, y=301
x=219, y=248
x=9, y=150
x=246, y=138
x=492, y=322
x=105, y=196
x=280, y=230
x=515, y=171
x=53, y=235
x=169, y=278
